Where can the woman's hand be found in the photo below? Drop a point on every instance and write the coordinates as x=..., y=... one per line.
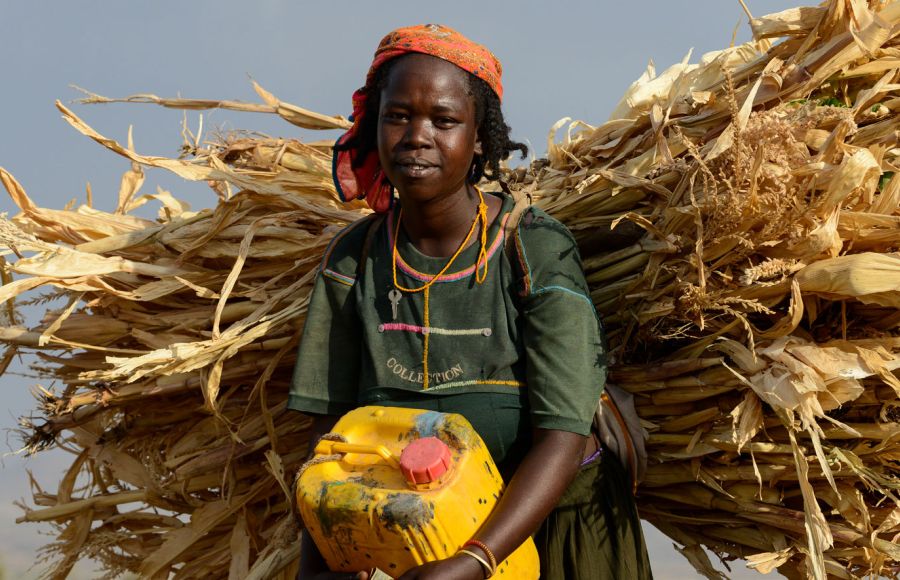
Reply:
x=459, y=567
x=312, y=564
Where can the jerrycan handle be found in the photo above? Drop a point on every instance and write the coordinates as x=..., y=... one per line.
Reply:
x=326, y=447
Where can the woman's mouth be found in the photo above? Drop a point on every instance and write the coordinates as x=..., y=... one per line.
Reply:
x=416, y=169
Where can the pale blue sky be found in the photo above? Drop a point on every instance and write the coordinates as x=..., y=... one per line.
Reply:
x=563, y=59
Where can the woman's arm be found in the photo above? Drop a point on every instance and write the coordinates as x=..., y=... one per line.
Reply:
x=540, y=480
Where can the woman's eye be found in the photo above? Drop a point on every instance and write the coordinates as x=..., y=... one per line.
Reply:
x=395, y=115
x=446, y=121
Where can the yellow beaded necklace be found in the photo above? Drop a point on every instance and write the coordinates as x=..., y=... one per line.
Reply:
x=480, y=271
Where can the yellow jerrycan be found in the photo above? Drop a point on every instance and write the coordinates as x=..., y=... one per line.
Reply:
x=393, y=488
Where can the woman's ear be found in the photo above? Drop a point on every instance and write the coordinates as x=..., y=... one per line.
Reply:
x=478, y=149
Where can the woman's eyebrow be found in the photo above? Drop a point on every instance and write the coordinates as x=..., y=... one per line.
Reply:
x=395, y=103
x=439, y=107
x=449, y=104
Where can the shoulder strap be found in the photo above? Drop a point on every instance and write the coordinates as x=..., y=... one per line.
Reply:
x=375, y=223
x=511, y=229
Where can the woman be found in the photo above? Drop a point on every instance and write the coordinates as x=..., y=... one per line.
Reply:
x=424, y=309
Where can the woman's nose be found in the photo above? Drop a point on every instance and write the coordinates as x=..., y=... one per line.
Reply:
x=418, y=133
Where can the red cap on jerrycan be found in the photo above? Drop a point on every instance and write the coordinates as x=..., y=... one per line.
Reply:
x=425, y=460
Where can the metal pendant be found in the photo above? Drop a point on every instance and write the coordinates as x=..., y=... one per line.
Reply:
x=394, y=296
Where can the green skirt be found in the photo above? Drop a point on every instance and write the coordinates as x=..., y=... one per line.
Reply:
x=595, y=531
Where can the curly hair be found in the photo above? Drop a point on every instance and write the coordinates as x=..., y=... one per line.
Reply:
x=493, y=132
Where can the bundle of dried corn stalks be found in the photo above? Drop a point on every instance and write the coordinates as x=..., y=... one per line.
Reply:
x=765, y=292
x=174, y=352
x=757, y=317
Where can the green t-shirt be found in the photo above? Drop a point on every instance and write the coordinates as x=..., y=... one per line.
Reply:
x=522, y=349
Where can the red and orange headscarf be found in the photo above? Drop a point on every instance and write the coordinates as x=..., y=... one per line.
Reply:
x=367, y=181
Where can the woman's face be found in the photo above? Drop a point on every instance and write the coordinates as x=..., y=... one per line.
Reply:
x=427, y=135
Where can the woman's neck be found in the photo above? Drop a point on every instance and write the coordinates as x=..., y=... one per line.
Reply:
x=437, y=228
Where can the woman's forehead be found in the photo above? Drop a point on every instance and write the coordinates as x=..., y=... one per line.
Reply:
x=422, y=71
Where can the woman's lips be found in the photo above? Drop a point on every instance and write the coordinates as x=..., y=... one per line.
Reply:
x=416, y=170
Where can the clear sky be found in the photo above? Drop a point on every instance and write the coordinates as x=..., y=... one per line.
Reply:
x=563, y=59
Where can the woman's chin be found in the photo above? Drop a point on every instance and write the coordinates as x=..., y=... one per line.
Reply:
x=427, y=192
x=416, y=181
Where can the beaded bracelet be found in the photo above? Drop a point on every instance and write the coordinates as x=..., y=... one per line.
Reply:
x=487, y=551
x=488, y=571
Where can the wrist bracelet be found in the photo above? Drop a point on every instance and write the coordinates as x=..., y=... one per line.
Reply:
x=488, y=571
x=487, y=551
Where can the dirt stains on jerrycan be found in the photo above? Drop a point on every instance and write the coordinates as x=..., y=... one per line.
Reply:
x=394, y=488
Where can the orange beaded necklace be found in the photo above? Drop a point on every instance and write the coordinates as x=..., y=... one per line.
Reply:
x=481, y=267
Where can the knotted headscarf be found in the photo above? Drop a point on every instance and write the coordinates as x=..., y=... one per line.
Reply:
x=367, y=181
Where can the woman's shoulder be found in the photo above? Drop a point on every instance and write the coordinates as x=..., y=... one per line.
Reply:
x=548, y=253
x=342, y=257
x=537, y=224
x=543, y=237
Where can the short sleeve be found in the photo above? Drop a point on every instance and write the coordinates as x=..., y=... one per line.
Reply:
x=564, y=342
x=326, y=374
